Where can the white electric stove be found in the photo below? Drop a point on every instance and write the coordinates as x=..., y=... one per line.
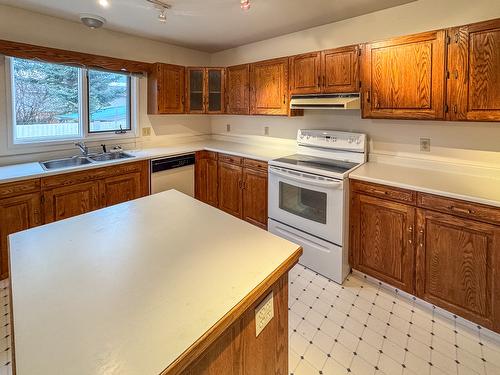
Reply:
x=308, y=197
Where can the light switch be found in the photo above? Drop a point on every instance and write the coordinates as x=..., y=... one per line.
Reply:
x=264, y=313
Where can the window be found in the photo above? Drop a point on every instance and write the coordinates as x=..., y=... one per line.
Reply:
x=53, y=102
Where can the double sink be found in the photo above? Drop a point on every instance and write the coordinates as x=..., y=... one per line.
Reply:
x=84, y=160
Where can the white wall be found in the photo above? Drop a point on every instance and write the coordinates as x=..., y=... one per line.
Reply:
x=476, y=143
x=28, y=27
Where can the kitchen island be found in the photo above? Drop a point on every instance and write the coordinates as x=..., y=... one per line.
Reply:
x=160, y=285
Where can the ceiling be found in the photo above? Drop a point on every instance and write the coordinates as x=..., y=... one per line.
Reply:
x=210, y=25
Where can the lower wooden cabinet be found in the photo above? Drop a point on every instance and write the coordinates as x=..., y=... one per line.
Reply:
x=205, y=173
x=119, y=189
x=457, y=264
x=383, y=236
x=17, y=213
x=447, y=253
x=239, y=184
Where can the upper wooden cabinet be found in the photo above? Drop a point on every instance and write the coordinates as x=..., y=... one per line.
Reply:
x=269, y=87
x=404, y=77
x=166, y=89
x=205, y=90
x=305, y=73
x=474, y=72
x=238, y=90
x=340, y=70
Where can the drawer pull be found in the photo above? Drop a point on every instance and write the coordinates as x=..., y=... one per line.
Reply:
x=380, y=191
x=461, y=210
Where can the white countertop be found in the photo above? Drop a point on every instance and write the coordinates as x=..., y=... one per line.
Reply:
x=25, y=171
x=126, y=289
x=464, y=186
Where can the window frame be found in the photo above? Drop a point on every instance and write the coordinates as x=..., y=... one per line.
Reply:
x=35, y=145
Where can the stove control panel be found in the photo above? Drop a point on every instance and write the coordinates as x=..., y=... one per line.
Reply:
x=332, y=139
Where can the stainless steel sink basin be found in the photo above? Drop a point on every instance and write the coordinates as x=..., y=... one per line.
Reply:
x=65, y=163
x=110, y=156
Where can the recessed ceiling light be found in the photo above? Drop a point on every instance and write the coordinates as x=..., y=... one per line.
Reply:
x=245, y=4
x=104, y=3
x=92, y=21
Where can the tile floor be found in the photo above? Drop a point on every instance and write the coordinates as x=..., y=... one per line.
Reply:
x=360, y=328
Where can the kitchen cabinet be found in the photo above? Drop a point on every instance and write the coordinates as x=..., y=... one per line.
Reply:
x=206, y=176
x=205, y=90
x=305, y=73
x=230, y=185
x=121, y=188
x=473, y=79
x=19, y=210
x=446, y=251
x=340, y=70
x=238, y=90
x=255, y=193
x=382, y=240
x=404, y=77
x=166, y=89
x=269, y=87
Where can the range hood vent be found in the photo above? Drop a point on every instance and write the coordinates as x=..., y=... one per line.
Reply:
x=329, y=101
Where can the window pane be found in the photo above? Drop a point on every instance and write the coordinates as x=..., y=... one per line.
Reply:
x=46, y=101
x=109, y=101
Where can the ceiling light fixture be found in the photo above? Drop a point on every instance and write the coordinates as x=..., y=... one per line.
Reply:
x=245, y=4
x=162, y=7
x=92, y=21
x=104, y=3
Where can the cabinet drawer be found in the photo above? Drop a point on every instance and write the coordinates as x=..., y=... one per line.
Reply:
x=18, y=188
x=230, y=159
x=255, y=164
x=459, y=208
x=396, y=194
x=206, y=155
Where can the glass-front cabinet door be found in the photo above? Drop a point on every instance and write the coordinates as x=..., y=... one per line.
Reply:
x=215, y=90
x=196, y=94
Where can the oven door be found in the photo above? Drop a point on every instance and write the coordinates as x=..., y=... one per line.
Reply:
x=311, y=203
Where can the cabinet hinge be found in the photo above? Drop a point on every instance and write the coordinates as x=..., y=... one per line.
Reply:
x=446, y=108
x=359, y=51
x=42, y=199
x=448, y=39
x=360, y=84
x=447, y=74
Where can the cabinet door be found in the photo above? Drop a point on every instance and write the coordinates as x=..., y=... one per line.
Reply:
x=238, y=90
x=195, y=83
x=339, y=70
x=457, y=266
x=166, y=89
x=269, y=87
x=404, y=77
x=474, y=72
x=214, y=89
x=119, y=189
x=305, y=73
x=206, y=177
x=382, y=240
x=67, y=201
x=230, y=188
x=16, y=214
x=255, y=197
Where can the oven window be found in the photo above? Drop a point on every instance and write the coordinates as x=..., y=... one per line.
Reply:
x=305, y=203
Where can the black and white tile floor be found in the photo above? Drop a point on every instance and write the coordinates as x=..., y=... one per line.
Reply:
x=360, y=328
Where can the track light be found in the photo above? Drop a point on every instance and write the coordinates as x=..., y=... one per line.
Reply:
x=245, y=4
x=162, y=8
x=162, y=17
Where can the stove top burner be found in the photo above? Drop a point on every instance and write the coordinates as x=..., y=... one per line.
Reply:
x=330, y=165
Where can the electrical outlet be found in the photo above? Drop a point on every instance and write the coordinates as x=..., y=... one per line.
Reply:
x=146, y=132
x=266, y=130
x=264, y=313
x=425, y=144
x=228, y=128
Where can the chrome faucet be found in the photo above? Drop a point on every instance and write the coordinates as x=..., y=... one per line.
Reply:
x=84, y=149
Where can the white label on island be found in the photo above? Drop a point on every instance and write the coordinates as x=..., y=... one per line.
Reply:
x=264, y=313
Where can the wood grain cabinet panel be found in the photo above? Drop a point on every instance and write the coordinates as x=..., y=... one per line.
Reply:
x=238, y=90
x=474, y=72
x=457, y=266
x=269, y=87
x=230, y=188
x=67, y=201
x=119, y=189
x=405, y=77
x=382, y=240
x=305, y=73
x=166, y=89
x=206, y=178
x=205, y=90
x=255, y=197
x=340, y=70
x=17, y=213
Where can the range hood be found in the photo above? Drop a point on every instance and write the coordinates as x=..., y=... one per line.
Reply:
x=326, y=101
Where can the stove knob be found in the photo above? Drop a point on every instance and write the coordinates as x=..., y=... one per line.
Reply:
x=349, y=140
x=308, y=137
x=358, y=141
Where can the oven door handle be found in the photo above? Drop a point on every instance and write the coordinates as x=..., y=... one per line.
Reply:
x=326, y=184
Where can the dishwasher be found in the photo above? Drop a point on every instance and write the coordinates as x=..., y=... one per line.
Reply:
x=173, y=172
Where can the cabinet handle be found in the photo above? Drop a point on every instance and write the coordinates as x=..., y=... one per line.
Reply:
x=319, y=80
x=368, y=99
x=421, y=235
x=455, y=108
x=410, y=229
x=461, y=210
x=284, y=99
x=379, y=191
